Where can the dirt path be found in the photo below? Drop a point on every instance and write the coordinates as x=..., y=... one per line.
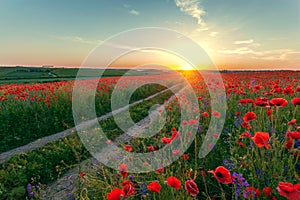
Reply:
x=62, y=189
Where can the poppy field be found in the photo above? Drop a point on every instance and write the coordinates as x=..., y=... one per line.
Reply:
x=257, y=154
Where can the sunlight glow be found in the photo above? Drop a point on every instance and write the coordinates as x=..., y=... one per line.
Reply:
x=187, y=67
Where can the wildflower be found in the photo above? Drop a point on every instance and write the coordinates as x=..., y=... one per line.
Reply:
x=115, y=194
x=246, y=134
x=166, y=140
x=191, y=187
x=159, y=170
x=294, y=135
x=123, y=170
x=249, y=116
x=278, y=102
x=216, y=114
x=175, y=152
x=128, y=148
x=292, y=192
x=269, y=112
x=251, y=192
x=261, y=101
x=222, y=175
x=261, y=139
x=292, y=122
x=205, y=114
x=173, y=182
x=82, y=174
x=268, y=192
x=288, y=90
x=245, y=101
x=246, y=125
x=175, y=135
x=128, y=188
x=240, y=183
x=296, y=101
x=154, y=187
x=185, y=156
x=150, y=148
x=288, y=144
x=143, y=189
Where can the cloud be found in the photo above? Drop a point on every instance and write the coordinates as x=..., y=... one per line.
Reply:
x=244, y=42
x=213, y=34
x=239, y=51
x=76, y=39
x=275, y=54
x=192, y=8
x=134, y=12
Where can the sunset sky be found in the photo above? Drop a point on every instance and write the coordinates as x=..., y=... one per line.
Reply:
x=236, y=34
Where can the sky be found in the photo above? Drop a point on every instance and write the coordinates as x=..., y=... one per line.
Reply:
x=236, y=34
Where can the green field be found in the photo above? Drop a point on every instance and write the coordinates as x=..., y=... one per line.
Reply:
x=19, y=74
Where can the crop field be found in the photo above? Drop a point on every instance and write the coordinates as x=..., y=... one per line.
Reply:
x=254, y=155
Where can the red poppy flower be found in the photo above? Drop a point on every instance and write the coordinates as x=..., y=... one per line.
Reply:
x=241, y=144
x=191, y=187
x=175, y=135
x=175, y=152
x=216, y=114
x=128, y=148
x=173, y=182
x=268, y=192
x=166, y=140
x=294, y=135
x=261, y=101
x=296, y=101
x=245, y=101
x=159, y=170
x=269, y=112
x=292, y=122
x=123, y=170
x=192, y=122
x=261, y=139
x=128, y=188
x=246, y=125
x=82, y=174
x=246, y=134
x=150, y=148
x=205, y=114
x=251, y=192
x=288, y=90
x=222, y=175
x=249, y=116
x=292, y=192
x=288, y=144
x=185, y=156
x=278, y=102
x=115, y=194
x=154, y=187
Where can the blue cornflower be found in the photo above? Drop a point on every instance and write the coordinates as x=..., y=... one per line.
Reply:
x=240, y=183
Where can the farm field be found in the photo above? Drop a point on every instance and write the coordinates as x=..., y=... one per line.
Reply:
x=256, y=156
x=19, y=74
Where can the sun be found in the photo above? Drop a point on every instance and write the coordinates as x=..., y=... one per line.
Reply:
x=186, y=67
